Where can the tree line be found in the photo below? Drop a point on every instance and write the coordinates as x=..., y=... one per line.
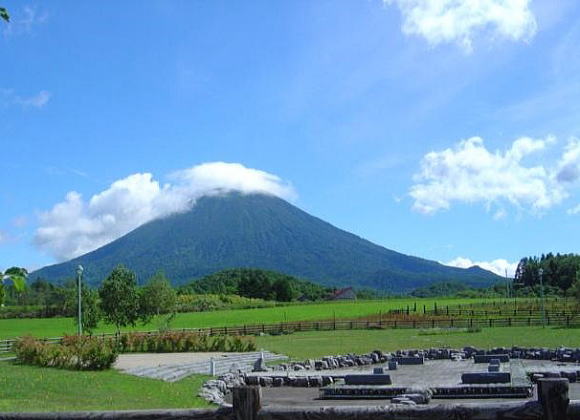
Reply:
x=561, y=271
x=121, y=302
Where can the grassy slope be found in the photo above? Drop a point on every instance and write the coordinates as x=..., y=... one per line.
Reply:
x=316, y=344
x=53, y=327
x=29, y=388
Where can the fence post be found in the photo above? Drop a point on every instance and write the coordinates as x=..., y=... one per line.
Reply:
x=247, y=401
x=553, y=396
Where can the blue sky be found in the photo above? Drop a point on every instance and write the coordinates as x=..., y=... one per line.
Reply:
x=442, y=129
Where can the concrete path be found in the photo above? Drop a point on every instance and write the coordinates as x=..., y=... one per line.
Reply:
x=171, y=367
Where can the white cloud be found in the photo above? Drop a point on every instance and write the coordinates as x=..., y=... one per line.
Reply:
x=3, y=237
x=574, y=210
x=75, y=226
x=498, y=266
x=37, y=101
x=460, y=21
x=470, y=173
x=500, y=214
x=9, y=98
x=569, y=165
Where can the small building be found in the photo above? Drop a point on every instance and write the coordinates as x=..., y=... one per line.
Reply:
x=343, y=294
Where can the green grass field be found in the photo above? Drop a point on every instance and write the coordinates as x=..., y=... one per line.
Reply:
x=30, y=388
x=53, y=327
x=315, y=344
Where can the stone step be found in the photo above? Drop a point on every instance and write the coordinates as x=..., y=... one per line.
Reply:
x=172, y=373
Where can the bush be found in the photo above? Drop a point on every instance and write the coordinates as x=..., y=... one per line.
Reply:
x=79, y=353
x=204, y=303
x=183, y=341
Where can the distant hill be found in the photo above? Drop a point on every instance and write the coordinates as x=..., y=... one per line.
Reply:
x=260, y=231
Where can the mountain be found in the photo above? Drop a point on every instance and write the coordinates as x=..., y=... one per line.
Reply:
x=260, y=231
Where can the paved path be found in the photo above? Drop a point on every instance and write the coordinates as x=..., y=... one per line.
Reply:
x=171, y=367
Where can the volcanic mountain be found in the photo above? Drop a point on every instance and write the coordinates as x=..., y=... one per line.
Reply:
x=260, y=231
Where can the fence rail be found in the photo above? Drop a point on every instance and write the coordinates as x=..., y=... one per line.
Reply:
x=358, y=324
x=454, y=311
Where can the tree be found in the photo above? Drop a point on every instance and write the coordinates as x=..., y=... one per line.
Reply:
x=575, y=289
x=157, y=297
x=283, y=290
x=119, y=298
x=18, y=277
x=4, y=14
x=92, y=313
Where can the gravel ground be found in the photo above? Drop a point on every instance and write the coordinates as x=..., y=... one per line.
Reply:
x=134, y=360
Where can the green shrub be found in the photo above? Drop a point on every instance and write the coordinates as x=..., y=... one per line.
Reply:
x=183, y=341
x=204, y=303
x=79, y=353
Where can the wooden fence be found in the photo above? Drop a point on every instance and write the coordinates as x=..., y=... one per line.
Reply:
x=466, y=312
x=358, y=324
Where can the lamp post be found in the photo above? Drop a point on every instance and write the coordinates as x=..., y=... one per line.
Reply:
x=79, y=280
x=541, y=274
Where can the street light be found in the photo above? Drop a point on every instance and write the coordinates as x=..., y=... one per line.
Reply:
x=541, y=274
x=79, y=280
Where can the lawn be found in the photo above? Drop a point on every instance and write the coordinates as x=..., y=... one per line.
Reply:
x=317, y=344
x=30, y=388
x=54, y=327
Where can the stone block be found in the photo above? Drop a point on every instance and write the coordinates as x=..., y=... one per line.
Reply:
x=486, y=358
x=486, y=378
x=410, y=360
x=266, y=381
x=416, y=398
x=376, y=379
x=378, y=371
x=327, y=380
x=392, y=365
x=315, y=381
x=402, y=401
x=493, y=368
x=253, y=380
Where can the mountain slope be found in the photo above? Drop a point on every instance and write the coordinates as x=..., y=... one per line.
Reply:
x=259, y=231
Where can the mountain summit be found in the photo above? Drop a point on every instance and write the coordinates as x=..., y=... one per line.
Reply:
x=262, y=231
